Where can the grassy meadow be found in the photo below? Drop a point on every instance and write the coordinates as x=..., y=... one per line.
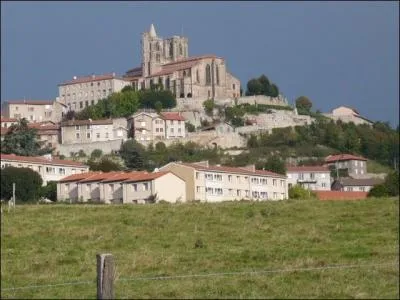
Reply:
x=54, y=244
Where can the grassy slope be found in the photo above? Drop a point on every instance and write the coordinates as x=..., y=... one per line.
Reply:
x=55, y=244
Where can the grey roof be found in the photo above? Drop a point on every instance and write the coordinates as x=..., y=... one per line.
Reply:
x=348, y=181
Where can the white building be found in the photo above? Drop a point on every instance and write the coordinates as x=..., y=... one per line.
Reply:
x=81, y=92
x=316, y=178
x=51, y=169
x=348, y=114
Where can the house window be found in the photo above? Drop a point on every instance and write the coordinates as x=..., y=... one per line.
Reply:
x=88, y=135
x=77, y=127
x=98, y=135
x=362, y=188
x=106, y=135
x=233, y=86
x=282, y=182
x=323, y=184
x=218, y=191
x=134, y=187
x=238, y=179
x=145, y=186
x=209, y=190
x=230, y=178
x=197, y=175
x=197, y=189
x=274, y=182
x=80, y=104
x=61, y=171
x=197, y=76
x=78, y=135
x=238, y=193
x=312, y=175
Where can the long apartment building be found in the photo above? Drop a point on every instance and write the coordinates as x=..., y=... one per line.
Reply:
x=34, y=110
x=121, y=187
x=51, y=169
x=148, y=127
x=215, y=183
x=81, y=92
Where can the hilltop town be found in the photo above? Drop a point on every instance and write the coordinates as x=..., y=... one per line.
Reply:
x=138, y=122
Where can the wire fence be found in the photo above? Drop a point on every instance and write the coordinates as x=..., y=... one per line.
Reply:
x=187, y=276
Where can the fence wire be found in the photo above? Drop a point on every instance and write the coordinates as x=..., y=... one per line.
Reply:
x=172, y=277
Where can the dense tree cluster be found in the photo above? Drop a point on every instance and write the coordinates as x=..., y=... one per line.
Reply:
x=378, y=142
x=23, y=140
x=28, y=184
x=262, y=86
x=389, y=188
x=125, y=103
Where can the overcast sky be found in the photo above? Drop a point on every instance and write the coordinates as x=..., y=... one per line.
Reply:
x=336, y=53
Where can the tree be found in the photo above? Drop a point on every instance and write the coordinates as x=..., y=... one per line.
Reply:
x=378, y=191
x=303, y=105
x=96, y=153
x=49, y=191
x=28, y=183
x=190, y=127
x=105, y=164
x=275, y=164
x=158, y=106
x=133, y=155
x=23, y=140
x=209, y=107
x=298, y=192
x=254, y=87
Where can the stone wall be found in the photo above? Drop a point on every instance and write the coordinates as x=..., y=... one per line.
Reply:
x=106, y=146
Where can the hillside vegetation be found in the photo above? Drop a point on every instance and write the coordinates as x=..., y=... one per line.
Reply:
x=54, y=244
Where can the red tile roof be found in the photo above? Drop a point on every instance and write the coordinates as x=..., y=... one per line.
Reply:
x=91, y=78
x=99, y=176
x=40, y=160
x=87, y=122
x=232, y=170
x=341, y=157
x=172, y=116
x=338, y=195
x=123, y=176
x=31, y=102
x=3, y=119
x=77, y=177
x=146, y=176
x=307, y=169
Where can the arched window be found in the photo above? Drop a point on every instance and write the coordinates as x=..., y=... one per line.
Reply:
x=217, y=74
x=171, y=49
x=158, y=47
x=180, y=49
x=197, y=76
x=208, y=75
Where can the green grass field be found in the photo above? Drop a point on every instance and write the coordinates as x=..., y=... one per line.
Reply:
x=54, y=244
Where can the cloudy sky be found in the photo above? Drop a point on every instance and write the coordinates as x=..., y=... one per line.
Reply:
x=336, y=53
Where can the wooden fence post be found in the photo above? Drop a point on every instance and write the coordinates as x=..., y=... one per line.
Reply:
x=105, y=276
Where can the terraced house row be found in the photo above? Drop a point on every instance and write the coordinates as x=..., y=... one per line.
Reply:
x=175, y=182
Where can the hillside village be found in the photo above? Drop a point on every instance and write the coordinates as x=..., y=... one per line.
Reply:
x=208, y=109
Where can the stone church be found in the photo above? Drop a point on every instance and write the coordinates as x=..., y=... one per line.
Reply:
x=167, y=62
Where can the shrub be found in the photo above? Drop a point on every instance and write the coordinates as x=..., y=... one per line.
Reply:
x=27, y=184
x=50, y=191
x=96, y=153
x=298, y=192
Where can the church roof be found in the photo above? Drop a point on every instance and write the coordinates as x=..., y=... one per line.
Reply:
x=169, y=68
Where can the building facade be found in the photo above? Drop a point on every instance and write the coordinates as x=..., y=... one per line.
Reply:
x=348, y=114
x=51, y=169
x=81, y=92
x=354, y=164
x=316, y=178
x=153, y=127
x=121, y=187
x=167, y=62
x=217, y=183
x=88, y=131
x=34, y=110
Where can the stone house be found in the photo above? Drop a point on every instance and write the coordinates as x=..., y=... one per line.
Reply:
x=34, y=110
x=88, y=131
x=215, y=183
x=174, y=125
x=316, y=178
x=50, y=168
x=354, y=164
x=347, y=114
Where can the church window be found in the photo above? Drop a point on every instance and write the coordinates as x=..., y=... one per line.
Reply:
x=217, y=74
x=208, y=75
x=158, y=47
x=184, y=73
x=148, y=68
x=197, y=76
x=171, y=49
x=180, y=49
